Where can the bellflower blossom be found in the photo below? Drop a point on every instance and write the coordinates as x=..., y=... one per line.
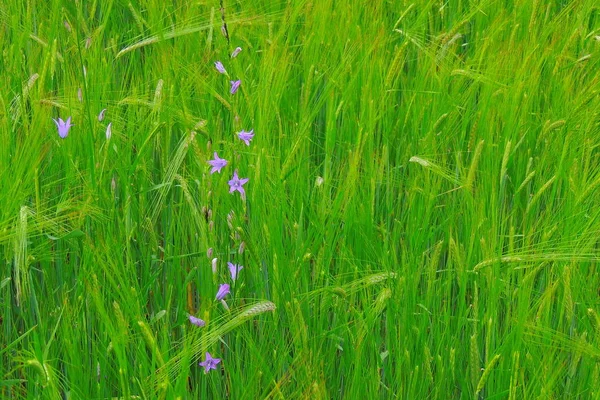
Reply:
x=209, y=363
x=63, y=126
x=234, y=269
x=237, y=184
x=246, y=136
x=217, y=163
x=223, y=291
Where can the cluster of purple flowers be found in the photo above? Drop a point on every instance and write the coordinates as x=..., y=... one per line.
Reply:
x=235, y=184
x=235, y=85
x=224, y=289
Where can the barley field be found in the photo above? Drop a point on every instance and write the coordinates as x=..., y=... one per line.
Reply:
x=297, y=199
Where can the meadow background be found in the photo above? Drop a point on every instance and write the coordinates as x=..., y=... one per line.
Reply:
x=422, y=211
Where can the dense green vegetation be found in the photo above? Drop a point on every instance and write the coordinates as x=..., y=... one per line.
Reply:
x=421, y=218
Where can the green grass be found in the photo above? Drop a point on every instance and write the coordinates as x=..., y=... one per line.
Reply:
x=422, y=218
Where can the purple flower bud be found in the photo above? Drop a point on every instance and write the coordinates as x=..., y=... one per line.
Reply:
x=214, y=265
x=235, y=85
x=197, y=321
x=101, y=115
x=219, y=66
x=236, y=52
x=224, y=303
x=109, y=131
x=241, y=248
x=209, y=252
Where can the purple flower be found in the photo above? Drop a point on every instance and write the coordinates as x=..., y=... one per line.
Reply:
x=219, y=66
x=236, y=184
x=246, y=136
x=217, y=163
x=63, y=127
x=197, y=321
x=234, y=269
x=235, y=85
x=223, y=291
x=236, y=52
x=209, y=363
